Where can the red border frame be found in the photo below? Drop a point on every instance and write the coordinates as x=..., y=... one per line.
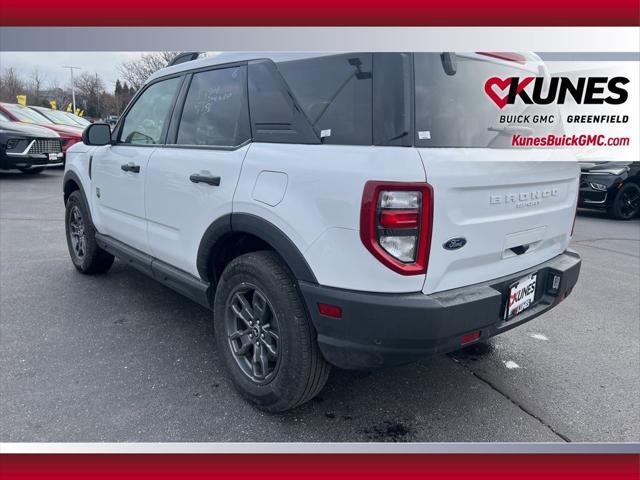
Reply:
x=326, y=13
x=319, y=466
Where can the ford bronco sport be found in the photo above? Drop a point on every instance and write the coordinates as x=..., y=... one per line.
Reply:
x=331, y=209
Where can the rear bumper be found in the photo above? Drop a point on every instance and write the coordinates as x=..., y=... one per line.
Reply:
x=378, y=330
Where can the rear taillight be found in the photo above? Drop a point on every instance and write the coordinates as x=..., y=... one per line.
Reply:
x=67, y=142
x=395, y=224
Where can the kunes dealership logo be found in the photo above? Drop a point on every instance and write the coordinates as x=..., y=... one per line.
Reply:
x=548, y=90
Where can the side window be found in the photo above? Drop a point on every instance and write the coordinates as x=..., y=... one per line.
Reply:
x=145, y=120
x=215, y=110
x=335, y=93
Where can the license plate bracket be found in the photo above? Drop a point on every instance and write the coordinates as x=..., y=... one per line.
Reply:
x=521, y=295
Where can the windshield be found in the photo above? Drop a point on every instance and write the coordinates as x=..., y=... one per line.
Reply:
x=78, y=120
x=452, y=109
x=25, y=114
x=56, y=117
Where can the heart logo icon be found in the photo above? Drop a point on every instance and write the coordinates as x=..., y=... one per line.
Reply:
x=503, y=84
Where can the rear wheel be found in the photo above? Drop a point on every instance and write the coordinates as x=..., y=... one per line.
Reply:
x=264, y=335
x=85, y=253
x=626, y=204
x=32, y=170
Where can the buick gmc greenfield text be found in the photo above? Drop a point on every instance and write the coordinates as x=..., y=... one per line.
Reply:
x=316, y=203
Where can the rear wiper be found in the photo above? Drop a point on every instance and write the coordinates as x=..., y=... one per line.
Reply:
x=512, y=130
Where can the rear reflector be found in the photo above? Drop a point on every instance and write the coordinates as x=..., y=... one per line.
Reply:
x=330, y=310
x=470, y=337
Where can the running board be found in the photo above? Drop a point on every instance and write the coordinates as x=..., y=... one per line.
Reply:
x=178, y=280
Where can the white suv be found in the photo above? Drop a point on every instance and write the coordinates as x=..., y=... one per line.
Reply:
x=317, y=204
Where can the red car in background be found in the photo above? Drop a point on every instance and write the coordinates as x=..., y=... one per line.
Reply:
x=18, y=113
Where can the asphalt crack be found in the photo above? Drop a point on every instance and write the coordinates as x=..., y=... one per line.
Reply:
x=609, y=250
x=508, y=397
x=607, y=238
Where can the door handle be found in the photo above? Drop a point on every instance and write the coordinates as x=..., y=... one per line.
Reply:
x=211, y=180
x=130, y=167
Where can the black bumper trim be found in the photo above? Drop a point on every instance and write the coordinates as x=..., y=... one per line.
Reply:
x=379, y=330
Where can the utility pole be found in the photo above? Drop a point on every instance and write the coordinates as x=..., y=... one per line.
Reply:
x=73, y=86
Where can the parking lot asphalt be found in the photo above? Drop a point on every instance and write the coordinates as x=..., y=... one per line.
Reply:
x=118, y=357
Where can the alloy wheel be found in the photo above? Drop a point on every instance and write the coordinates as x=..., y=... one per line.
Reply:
x=76, y=232
x=629, y=203
x=252, y=332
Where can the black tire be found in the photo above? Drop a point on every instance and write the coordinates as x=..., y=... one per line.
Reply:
x=298, y=372
x=85, y=253
x=32, y=170
x=626, y=203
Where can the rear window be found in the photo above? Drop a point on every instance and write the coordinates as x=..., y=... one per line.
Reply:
x=335, y=94
x=454, y=111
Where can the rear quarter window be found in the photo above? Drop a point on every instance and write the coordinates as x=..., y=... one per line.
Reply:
x=335, y=93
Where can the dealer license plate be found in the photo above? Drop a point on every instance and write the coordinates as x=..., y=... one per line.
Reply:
x=521, y=296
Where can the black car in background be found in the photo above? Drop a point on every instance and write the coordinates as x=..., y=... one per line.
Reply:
x=28, y=148
x=611, y=186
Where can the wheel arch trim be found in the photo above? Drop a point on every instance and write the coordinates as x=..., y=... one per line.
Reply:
x=260, y=228
x=69, y=176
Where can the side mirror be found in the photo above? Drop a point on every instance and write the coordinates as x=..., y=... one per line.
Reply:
x=97, y=134
x=449, y=63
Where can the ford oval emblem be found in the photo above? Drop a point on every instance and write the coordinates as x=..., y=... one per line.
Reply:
x=455, y=243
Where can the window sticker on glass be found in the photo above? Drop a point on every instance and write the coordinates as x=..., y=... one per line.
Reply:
x=424, y=135
x=325, y=133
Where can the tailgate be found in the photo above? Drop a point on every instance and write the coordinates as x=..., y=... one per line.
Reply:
x=514, y=208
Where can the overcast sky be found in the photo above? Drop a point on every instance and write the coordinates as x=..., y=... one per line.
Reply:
x=49, y=65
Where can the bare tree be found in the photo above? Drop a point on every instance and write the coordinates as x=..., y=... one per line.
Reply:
x=11, y=85
x=35, y=85
x=90, y=90
x=136, y=71
x=62, y=97
x=91, y=94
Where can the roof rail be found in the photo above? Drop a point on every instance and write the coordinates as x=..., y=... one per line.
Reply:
x=184, y=57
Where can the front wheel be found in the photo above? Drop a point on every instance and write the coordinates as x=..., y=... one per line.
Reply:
x=85, y=253
x=264, y=335
x=626, y=203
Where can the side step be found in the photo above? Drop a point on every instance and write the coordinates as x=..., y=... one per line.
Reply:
x=178, y=280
